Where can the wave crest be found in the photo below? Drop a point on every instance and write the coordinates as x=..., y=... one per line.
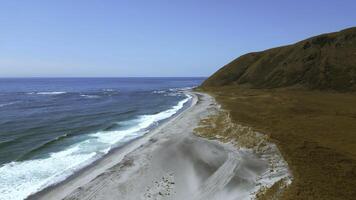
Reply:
x=20, y=179
x=47, y=93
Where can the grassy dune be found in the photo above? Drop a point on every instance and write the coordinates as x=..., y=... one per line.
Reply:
x=303, y=97
x=315, y=131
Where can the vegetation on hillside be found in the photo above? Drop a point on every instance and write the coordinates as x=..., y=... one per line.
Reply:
x=302, y=96
x=326, y=61
x=314, y=130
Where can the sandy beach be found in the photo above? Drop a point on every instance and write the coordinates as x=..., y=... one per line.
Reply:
x=171, y=162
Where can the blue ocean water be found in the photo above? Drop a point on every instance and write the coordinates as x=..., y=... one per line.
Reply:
x=51, y=127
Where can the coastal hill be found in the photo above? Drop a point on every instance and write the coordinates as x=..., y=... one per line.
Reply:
x=326, y=61
x=301, y=96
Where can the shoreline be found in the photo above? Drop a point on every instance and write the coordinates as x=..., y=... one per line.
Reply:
x=99, y=166
x=169, y=162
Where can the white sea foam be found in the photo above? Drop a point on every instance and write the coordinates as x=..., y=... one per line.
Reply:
x=7, y=104
x=90, y=96
x=181, y=89
x=143, y=122
x=50, y=93
x=173, y=91
x=159, y=92
x=18, y=180
x=108, y=90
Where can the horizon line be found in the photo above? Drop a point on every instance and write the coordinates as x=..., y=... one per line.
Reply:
x=103, y=77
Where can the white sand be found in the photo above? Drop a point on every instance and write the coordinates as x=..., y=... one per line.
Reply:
x=171, y=163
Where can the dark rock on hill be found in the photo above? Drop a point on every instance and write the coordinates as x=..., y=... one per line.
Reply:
x=325, y=62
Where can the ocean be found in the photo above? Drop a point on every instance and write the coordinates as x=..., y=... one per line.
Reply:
x=52, y=127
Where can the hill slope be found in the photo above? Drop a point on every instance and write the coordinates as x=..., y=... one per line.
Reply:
x=314, y=129
x=326, y=61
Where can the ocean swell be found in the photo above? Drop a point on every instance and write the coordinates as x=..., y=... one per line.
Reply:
x=20, y=179
x=7, y=104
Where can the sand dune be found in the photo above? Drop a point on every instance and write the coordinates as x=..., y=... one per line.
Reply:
x=171, y=163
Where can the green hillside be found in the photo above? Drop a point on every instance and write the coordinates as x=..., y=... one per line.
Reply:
x=303, y=98
x=326, y=61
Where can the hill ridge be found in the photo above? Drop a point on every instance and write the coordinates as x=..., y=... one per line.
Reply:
x=326, y=61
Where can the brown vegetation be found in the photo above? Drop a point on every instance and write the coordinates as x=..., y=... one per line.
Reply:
x=293, y=94
x=315, y=131
x=326, y=61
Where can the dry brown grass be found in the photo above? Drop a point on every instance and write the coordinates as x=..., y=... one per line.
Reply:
x=219, y=126
x=274, y=192
x=315, y=131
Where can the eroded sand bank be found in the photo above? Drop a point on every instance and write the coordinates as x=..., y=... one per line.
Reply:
x=172, y=163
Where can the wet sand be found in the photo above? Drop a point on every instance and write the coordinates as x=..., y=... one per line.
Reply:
x=171, y=162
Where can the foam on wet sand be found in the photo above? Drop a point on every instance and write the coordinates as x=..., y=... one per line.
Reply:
x=171, y=162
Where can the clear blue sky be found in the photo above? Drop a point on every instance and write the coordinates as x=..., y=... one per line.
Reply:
x=153, y=38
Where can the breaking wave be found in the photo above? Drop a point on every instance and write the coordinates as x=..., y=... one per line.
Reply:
x=19, y=179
